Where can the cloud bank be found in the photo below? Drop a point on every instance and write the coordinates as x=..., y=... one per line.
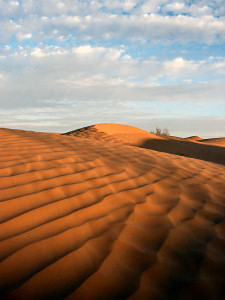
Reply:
x=63, y=56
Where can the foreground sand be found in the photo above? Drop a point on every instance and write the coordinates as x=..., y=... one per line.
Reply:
x=82, y=218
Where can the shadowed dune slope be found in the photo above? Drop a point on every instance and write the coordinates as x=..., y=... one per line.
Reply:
x=129, y=135
x=193, y=149
x=90, y=219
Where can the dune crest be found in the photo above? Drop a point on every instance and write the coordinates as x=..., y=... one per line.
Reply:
x=116, y=133
x=193, y=138
x=85, y=218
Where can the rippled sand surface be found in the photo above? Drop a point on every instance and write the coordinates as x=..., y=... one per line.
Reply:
x=89, y=217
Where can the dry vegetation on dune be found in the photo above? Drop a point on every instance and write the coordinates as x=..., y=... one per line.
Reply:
x=161, y=132
x=87, y=215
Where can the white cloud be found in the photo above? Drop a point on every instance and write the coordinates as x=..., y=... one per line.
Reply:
x=48, y=51
x=37, y=53
x=36, y=75
x=23, y=36
x=93, y=7
x=150, y=6
x=181, y=68
x=103, y=20
x=195, y=10
x=8, y=7
x=87, y=50
x=156, y=27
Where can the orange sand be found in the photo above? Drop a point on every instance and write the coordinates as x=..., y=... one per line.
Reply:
x=194, y=138
x=129, y=135
x=91, y=217
x=216, y=141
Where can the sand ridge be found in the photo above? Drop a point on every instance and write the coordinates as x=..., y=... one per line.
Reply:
x=116, y=133
x=193, y=138
x=84, y=218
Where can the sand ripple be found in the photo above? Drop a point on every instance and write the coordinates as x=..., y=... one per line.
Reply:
x=90, y=218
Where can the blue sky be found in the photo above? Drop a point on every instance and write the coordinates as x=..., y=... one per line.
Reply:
x=68, y=64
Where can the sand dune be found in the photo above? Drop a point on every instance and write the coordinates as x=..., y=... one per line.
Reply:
x=215, y=141
x=212, y=141
x=115, y=133
x=88, y=216
x=129, y=135
x=194, y=138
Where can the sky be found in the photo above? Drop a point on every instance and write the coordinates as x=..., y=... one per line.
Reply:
x=74, y=63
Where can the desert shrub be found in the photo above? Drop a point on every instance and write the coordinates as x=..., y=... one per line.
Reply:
x=160, y=132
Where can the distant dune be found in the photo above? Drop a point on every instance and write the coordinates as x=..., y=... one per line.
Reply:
x=193, y=138
x=213, y=141
x=216, y=141
x=89, y=215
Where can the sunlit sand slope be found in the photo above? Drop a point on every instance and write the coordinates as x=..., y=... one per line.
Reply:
x=88, y=219
x=115, y=133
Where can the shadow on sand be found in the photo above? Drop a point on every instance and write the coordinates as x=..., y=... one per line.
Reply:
x=210, y=153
